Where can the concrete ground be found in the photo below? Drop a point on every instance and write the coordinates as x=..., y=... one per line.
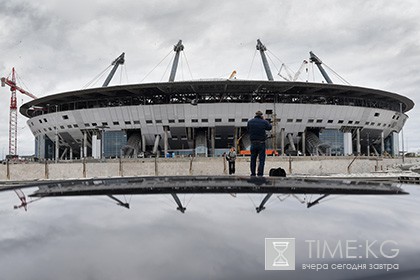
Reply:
x=294, y=166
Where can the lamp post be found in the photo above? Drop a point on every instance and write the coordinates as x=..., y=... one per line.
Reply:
x=57, y=141
x=402, y=133
x=368, y=145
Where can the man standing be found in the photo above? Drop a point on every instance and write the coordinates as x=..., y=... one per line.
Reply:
x=231, y=157
x=256, y=129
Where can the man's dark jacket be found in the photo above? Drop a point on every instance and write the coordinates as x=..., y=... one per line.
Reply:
x=257, y=127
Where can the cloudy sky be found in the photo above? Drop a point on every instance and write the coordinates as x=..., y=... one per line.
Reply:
x=58, y=46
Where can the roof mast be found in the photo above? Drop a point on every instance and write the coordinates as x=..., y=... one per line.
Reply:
x=119, y=60
x=318, y=63
x=177, y=49
x=262, y=49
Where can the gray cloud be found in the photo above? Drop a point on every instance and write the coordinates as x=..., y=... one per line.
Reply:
x=58, y=46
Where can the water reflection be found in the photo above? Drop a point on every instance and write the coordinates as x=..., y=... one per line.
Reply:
x=218, y=237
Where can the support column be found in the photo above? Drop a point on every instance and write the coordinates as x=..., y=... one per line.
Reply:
x=95, y=146
x=85, y=155
x=382, y=143
x=37, y=145
x=304, y=142
x=358, y=141
x=291, y=142
x=165, y=140
x=213, y=142
x=348, y=143
x=274, y=124
x=63, y=155
x=39, y=140
x=8, y=169
x=395, y=144
x=235, y=138
x=71, y=153
x=143, y=143
x=282, y=141
x=102, y=154
x=57, y=147
x=156, y=145
x=42, y=151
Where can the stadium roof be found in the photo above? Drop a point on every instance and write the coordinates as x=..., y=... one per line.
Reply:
x=220, y=88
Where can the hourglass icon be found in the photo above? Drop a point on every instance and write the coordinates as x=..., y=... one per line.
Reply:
x=280, y=247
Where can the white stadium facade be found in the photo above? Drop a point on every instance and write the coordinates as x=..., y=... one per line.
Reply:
x=206, y=117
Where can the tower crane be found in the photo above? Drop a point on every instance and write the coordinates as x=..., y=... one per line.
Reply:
x=304, y=65
x=13, y=109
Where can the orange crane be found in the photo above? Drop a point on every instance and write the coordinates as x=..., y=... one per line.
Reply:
x=13, y=110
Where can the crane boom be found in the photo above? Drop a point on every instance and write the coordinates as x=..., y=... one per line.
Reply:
x=302, y=66
x=11, y=84
x=13, y=110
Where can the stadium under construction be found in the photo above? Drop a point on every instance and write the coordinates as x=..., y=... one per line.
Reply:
x=206, y=117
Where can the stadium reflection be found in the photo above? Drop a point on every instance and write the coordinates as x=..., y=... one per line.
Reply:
x=219, y=237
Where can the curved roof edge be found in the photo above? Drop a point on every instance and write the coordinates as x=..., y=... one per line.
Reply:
x=197, y=86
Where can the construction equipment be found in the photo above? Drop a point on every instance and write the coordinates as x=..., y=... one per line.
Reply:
x=289, y=75
x=232, y=75
x=268, y=152
x=13, y=110
x=304, y=65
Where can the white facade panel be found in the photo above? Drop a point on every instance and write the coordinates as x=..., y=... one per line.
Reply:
x=348, y=143
x=158, y=112
x=169, y=112
x=179, y=111
x=113, y=115
x=95, y=152
x=396, y=141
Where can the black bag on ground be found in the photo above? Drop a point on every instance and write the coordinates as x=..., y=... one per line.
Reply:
x=277, y=172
